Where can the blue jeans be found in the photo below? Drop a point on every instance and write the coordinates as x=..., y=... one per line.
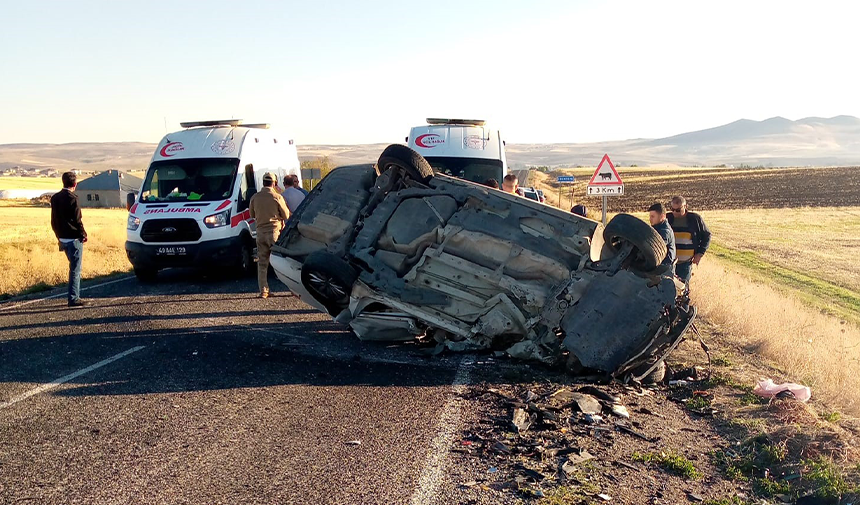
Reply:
x=74, y=251
x=684, y=271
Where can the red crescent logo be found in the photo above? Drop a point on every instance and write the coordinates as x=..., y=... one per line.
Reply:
x=433, y=138
x=171, y=149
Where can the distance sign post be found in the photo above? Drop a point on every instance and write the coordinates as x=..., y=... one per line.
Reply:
x=565, y=179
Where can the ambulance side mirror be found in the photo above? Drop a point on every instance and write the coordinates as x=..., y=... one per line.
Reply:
x=129, y=201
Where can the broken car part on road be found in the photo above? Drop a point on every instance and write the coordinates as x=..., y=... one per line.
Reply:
x=399, y=253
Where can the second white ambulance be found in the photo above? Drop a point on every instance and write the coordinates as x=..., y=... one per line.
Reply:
x=469, y=149
x=192, y=210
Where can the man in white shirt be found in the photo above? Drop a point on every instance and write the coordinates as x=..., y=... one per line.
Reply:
x=292, y=194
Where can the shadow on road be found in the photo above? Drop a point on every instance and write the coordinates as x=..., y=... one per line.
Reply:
x=201, y=358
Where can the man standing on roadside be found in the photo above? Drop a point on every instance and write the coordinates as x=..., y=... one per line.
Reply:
x=511, y=185
x=293, y=194
x=69, y=229
x=267, y=207
x=692, y=237
x=299, y=186
x=657, y=216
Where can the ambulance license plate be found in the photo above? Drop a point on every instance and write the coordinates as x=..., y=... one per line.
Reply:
x=171, y=251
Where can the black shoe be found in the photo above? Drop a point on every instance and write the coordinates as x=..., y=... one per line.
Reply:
x=78, y=303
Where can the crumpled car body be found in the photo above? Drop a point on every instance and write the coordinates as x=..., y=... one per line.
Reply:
x=398, y=254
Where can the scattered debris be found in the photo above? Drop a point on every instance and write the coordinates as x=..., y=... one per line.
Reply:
x=604, y=497
x=600, y=394
x=620, y=411
x=694, y=497
x=586, y=404
x=766, y=388
x=353, y=442
x=633, y=432
x=522, y=421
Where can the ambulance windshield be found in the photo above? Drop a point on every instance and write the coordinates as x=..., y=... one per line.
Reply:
x=472, y=169
x=188, y=180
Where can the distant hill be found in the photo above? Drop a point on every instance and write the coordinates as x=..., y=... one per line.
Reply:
x=773, y=142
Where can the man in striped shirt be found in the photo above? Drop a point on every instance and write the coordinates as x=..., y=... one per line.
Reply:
x=692, y=237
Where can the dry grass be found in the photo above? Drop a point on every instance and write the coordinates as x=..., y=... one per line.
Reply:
x=812, y=348
x=28, y=248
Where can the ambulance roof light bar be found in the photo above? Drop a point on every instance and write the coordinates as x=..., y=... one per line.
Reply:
x=217, y=122
x=444, y=121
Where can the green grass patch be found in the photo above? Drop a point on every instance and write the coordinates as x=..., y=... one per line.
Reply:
x=698, y=403
x=828, y=297
x=722, y=360
x=826, y=479
x=670, y=461
x=831, y=417
x=734, y=500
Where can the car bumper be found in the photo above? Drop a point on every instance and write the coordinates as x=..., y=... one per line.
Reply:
x=223, y=252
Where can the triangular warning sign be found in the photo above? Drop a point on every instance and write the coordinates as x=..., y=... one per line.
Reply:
x=605, y=175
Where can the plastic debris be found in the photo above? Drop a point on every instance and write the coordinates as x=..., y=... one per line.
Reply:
x=593, y=419
x=604, y=497
x=766, y=388
x=586, y=404
x=694, y=497
x=599, y=394
x=521, y=421
x=502, y=448
x=620, y=411
x=353, y=442
x=493, y=469
x=569, y=466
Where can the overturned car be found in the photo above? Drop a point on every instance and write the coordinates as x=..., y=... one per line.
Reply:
x=399, y=253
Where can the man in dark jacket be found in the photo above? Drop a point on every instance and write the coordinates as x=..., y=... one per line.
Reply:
x=69, y=229
x=692, y=237
x=657, y=217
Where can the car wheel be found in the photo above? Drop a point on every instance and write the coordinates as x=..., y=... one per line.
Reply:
x=650, y=248
x=329, y=279
x=655, y=377
x=146, y=274
x=407, y=161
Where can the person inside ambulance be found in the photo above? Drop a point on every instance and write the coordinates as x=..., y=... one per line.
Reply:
x=270, y=211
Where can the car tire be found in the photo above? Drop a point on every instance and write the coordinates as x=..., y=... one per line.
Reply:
x=329, y=279
x=655, y=377
x=408, y=161
x=650, y=248
x=146, y=275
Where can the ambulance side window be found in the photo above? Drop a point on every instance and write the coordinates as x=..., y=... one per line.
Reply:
x=247, y=187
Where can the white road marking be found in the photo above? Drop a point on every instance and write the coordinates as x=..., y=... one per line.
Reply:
x=56, y=382
x=434, y=470
x=66, y=293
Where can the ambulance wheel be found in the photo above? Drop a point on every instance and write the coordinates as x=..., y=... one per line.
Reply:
x=246, y=258
x=146, y=274
x=329, y=279
x=410, y=163
x=650, y=250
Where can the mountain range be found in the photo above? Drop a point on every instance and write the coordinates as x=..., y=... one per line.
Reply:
x=777, y=141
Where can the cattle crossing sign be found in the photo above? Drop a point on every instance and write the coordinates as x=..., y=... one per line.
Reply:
x=605, y=182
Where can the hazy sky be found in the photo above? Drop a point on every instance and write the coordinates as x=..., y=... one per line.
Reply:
x=359, y=72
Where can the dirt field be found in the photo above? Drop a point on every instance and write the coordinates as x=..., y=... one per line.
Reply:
x=718, y=189
x=29, y=258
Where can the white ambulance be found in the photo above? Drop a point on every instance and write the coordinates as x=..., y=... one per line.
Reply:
x=465, y=148
x=192, y=210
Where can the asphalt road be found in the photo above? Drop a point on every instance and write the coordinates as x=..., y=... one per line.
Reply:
x=192, y=390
